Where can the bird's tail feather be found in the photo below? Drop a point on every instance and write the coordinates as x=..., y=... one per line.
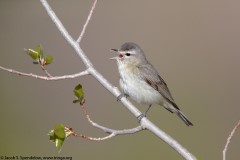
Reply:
x=173, y=109
x=184, y=118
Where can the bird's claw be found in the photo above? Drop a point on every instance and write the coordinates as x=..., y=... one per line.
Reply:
x=121, y=96
x=140, y=117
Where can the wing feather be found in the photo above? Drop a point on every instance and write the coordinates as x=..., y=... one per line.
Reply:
x=156, y=82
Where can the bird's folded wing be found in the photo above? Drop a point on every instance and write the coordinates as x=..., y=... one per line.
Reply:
x=150, y=76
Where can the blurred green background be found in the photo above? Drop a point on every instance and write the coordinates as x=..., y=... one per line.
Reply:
x=193, y=44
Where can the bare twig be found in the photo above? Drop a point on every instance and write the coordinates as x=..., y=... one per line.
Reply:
x=72, y=133
x=46, y=72
x=108, y=130
x=111, y=132
x=52, y=78
x=229, y=139
x=87, y=21
x=145, y=123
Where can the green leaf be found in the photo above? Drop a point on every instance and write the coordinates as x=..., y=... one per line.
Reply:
x=32, y=53
x=78, y=92
x=48, y=59
x=39, y=51
x=57, y=136
x=59, y=131
x=59, y=143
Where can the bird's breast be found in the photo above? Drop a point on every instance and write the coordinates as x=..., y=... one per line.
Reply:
x=133, y=85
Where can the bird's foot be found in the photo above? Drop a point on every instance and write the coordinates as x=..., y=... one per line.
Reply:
x=121, y=96
x=140, y=117
x=143, y=114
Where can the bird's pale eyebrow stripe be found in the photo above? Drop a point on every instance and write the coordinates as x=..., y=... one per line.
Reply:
x=129, y=51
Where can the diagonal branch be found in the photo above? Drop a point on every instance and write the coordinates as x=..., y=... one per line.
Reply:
x=86, y=23
x=145, y=123
x=46, y=72
x=229, y=139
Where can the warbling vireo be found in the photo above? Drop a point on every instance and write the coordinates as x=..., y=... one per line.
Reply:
x=140, y=80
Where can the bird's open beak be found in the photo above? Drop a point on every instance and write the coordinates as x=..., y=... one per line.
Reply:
x=115, y=51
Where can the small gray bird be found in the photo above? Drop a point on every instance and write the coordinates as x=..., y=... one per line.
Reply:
x=140, y=80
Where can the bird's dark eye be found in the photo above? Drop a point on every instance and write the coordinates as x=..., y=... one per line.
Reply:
x=128, y=54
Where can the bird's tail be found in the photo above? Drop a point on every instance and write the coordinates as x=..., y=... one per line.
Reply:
x=184, y=118
x=175, y=109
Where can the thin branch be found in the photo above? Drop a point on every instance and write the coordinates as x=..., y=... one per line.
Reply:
x=109, y=130
x=87, y=21
x=145, y=123
x=112, y=132
x=46, y=72
x=65, y=34
x=72, y=133
x=229, y=139
x=52, y=78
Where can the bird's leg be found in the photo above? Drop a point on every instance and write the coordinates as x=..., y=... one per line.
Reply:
x=121, y=96
x=144, y=114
